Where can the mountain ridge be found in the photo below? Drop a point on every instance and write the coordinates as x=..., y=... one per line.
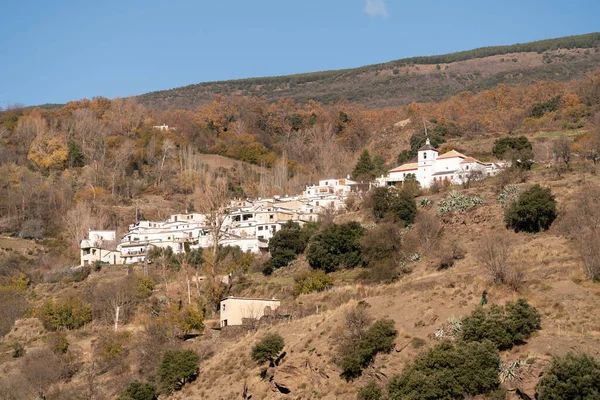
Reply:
x=421, y=78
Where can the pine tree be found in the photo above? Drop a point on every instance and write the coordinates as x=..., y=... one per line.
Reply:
x=364, y=169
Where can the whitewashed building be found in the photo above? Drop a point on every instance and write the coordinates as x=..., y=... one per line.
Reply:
x=452, y=167
x=235, y=310
x=100, y=246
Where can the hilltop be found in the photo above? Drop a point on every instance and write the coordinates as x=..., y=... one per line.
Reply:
x=421, y=79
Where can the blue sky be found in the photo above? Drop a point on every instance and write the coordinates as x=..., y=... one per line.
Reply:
x=56, y=51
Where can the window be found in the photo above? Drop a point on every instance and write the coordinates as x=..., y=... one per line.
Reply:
x=424, y=156
x=467, y=167
x=260, y=228
x=223, y=307
x=270, y=216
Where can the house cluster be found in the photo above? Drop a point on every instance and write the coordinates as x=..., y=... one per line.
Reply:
x=248, y=224
x=451, y=167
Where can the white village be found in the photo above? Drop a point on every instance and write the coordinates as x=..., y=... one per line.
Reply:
x=250, y=223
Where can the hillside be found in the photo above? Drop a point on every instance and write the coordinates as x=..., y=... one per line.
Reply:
x=420, y=79
x=419, y=303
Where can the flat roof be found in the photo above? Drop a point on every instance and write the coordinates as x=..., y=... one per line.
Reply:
x=248, y=298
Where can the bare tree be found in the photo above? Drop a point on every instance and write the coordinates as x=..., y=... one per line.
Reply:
x=358, y=320
x=117, y=302
x=212, y=199
x=494, y=252
x=591, y=143
x=79, y=220
x=119, y=160
x=561, y=149
x=42, y=369
x=185, y=267
x=168, y=150
x=582, y=223
x=471, y=176
x=428, y=230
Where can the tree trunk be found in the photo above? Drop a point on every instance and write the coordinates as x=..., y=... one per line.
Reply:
x=117, y=309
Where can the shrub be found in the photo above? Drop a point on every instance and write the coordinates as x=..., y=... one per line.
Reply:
x=190, y=318
x=570, y=377
x=459, y=202
x=18, y=349
x=59, y=343
x=516, y=149
x=176, y=368
x=338, y=245
x=268, y=348
x=139, y=391
x=314, y=281
x=400, y=205
x=448, y=371
x=417, y=342
x=503, y=326
x=359, y=354
x=506, y=145
x=70, y=314
x=143, y=287
x=534, y=211
x=286, y=244
x=370, y=392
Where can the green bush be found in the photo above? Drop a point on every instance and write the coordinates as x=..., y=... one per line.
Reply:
x=143, y=287
x=364, y=168
x=400, y=205
x=370, y=392
x=18, y=349
x=176, y=368
x=70, y=314
x=503, y=326
x=575, y=377
x=510, y=143
x=314, y=281
x=534, y=211
x=359, y=354
x=516, y=149
x=286, y=244
x=338, y=245
x=189, y=319
x=448, y=371
x=139, y=391
x=268, y=348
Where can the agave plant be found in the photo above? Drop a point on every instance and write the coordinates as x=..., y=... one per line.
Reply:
x=440, y=333
x=458, y=202
x=509, y=195
x=510, y=371
x=455, y=325
x=425, y=202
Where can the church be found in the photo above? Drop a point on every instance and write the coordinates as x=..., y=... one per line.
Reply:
x=451, y=167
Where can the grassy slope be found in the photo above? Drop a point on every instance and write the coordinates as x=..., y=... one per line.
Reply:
x=410, y=79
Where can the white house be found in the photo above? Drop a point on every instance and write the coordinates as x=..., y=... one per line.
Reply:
x=234, y=310
x=340, y=187
x=452, y=167
x=99, y=246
